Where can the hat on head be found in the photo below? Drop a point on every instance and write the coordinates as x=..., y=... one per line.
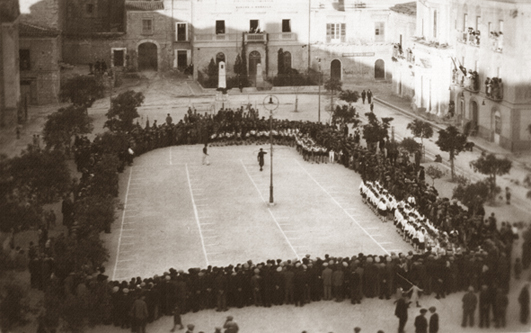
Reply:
x=256, y=271
x=325, y=264
x=432, y=309
x=423, y=310
x=345, y=264
x=190, y=326
x=125, y=291
x=115, y=289
x=230, y=317
x=279, y=269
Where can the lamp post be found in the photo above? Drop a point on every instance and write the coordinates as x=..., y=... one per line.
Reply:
x=319, y=98
x=271, y=103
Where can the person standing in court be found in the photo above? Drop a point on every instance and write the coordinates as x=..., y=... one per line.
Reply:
x=260, y=158
x=421, y=323
x=434, y=321
x=205, y=154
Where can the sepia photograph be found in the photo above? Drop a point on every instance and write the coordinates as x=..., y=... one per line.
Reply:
x=265, y=166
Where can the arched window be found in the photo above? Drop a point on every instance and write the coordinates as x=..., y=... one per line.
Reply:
x=220, y=57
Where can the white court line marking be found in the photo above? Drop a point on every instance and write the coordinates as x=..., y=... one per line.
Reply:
x=337, y=203
x=270, y=212
x=196, y=214
x=122, y=225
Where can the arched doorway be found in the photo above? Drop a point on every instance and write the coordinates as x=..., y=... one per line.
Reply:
x=254, y=59
x=379, y=69
x=147, y=56
x=335, y=69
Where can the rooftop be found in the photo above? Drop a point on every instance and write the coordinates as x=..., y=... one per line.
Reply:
x=30, y=30
x=408, y=8
x=136, y=5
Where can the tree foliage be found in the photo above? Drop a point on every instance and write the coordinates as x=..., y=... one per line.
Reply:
x=420, y=129
x=333, y=85
x=238, y=65
x=82, y=90
x=345, y=115
x=280, y=62
x=472, y=195
x=452, y=141
x=434, y=173
x=14, y=305
x=490, y=165
x=375, y=130
x=123, y=111
x=40, y=176
x=63, y=124
x=349, y=96
x=410, y=145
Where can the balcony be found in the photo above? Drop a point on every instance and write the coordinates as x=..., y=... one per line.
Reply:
x=494, y=89
x=471, y=81
x=423, y=41
x=470, y=37
x=496, y=40
x=260, y=37
x=288, y=36
x=215, y=37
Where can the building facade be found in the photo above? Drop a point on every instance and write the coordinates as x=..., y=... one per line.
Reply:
x=403, y=20
x=490, y=41
x=9, y=68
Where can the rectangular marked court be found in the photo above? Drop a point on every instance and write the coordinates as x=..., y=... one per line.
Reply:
x=180, y=214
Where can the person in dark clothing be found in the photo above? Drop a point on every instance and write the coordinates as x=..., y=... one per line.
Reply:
x=260, y=158
x=363, y=95
x=401, y=313
x=501, y=301
x=484, y=307
x=523, y=299
x=421, y=323
x=369, y=96
x=470, y=302
x=177, y=319
x=434, y=321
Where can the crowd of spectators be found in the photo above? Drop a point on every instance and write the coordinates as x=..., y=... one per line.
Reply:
x=480, y=259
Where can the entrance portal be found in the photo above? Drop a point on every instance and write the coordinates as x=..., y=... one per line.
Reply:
x=254, y=59
x=335, y=69
x=147, y=57
x=379, y=69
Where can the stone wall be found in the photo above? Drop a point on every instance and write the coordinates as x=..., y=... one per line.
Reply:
x=43, y=13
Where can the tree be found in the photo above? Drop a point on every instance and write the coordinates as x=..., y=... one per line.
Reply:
x=452, y=141
x=40, y=176
x=472, y=195
x=238, y=65
x=349, y=96
x=63, y=124
x=346, y=115
x=14, y=305
x=434, y=173
x=490, y=165
x=212, y=71
x=420, y=129
x=375, y=130
x=333, y=85
x=123, y=111
x=410, y=145
x=82, y=90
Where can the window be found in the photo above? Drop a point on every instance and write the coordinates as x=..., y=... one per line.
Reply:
x=220, y=27
x=286, y=25
x=25, y=61
x=497, y=122
x=335, y=32
x=181, y=32
x=465, y=22
x=254, y=26
x=287, y=60
x=478, y=19
x=379, y=33
x=89, y=8
x=475, y=65
x=147, y=26
x=434, y=24
x=501, y=26
x=118, y=57
x=490, y=27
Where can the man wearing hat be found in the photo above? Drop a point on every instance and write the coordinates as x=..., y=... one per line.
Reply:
x=401, y=312
x=139, y=314
x=190, y=328
x=421, y=323
x=434, y=321
x=326, y=275
x=230, y=325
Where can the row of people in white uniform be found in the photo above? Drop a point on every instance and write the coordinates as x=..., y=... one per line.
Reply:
x=410, y=224
x=310, y=150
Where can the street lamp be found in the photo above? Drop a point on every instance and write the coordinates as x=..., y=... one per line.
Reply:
x=271, y=103
x=319, y=100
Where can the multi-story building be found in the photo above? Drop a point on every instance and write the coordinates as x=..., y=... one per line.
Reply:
x=433, y=51
x=403, y=19
x=40, y=46
x=491, y=46
x=9, y=69
x=352, y=38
